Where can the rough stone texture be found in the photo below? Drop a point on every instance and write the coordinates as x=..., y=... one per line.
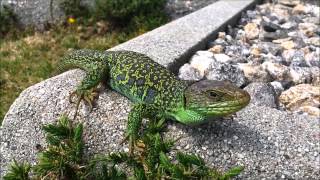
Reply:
x=205, y=64
x=262, y=94
x=104, y=127
x=202, y=61
x=300, y=75
x=277, y=86
x=251, y=30
x=35, y=12
x=268, y=142
x=216, y=49
x=277, y=71
x=278, y=41
x=38, y=12
x=187, y=72
x=301, y=95
x=223, y=71
x=255, y=73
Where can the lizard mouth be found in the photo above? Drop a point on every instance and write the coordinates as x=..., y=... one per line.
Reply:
x=215, y=98
x=224, y=108
x=221, y=108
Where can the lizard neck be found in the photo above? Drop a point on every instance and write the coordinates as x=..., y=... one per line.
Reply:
x=179, y=111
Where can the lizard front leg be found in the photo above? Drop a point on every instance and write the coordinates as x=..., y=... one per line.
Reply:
x=137, y=113
x=134, y=123
x=86, y=90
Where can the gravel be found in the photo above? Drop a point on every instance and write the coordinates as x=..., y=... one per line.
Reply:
x=277, y=135
x=270, y=143
x=276, y=42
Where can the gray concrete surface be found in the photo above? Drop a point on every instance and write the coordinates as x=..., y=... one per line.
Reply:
x=271, y=144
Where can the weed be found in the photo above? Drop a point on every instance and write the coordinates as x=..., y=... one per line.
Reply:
x=8, y=20
x=63, y=159
x=73, y=8
x=18, y=171
x=150, y=13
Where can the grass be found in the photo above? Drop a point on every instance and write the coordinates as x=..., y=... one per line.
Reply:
x=29, y=57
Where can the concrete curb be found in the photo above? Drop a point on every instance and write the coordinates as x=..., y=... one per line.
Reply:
x=42, y=103
x=172, y=44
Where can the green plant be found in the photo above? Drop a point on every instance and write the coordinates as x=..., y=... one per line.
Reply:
x=63, y=159
x=8, y=19
x=73, y=8
x=148, y=22
x=18, y=171
x=125, y=10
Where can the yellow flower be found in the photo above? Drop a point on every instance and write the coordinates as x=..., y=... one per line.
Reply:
x=71, y=20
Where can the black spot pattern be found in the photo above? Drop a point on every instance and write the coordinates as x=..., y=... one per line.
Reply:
x=145, y=80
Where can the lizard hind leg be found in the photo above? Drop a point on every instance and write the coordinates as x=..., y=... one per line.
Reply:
x=137, y=113
x=87, y=90
x=88, y=97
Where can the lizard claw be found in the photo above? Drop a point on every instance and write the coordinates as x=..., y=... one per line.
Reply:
x=87, y=96
x=131, y=143
x=71, y=96
x=89, y=101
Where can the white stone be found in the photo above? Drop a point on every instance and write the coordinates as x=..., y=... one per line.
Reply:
x=277, y=86
x=202, y=62
x=300, y=95
x=205, y=54
x=187, y=72
x=254, y=73
x=251, y=30
x=277, y=71
x=222, y=58
x=300, y=75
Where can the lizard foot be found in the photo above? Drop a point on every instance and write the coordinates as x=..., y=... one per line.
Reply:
x=87, y=96
x=132, y=143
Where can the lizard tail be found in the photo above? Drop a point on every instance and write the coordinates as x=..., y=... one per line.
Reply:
x=81, y=59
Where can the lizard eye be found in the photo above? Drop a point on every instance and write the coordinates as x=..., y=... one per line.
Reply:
x=213, y=94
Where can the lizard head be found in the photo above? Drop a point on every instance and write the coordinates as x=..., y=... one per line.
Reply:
x=208, y=99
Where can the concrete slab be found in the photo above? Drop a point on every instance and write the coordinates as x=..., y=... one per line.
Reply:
x=172, y=44
x=42, y=103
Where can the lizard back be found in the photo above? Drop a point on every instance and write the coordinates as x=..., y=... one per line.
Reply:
x=139, y=78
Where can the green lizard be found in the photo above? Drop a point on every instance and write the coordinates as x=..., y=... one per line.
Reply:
x=155, y=91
